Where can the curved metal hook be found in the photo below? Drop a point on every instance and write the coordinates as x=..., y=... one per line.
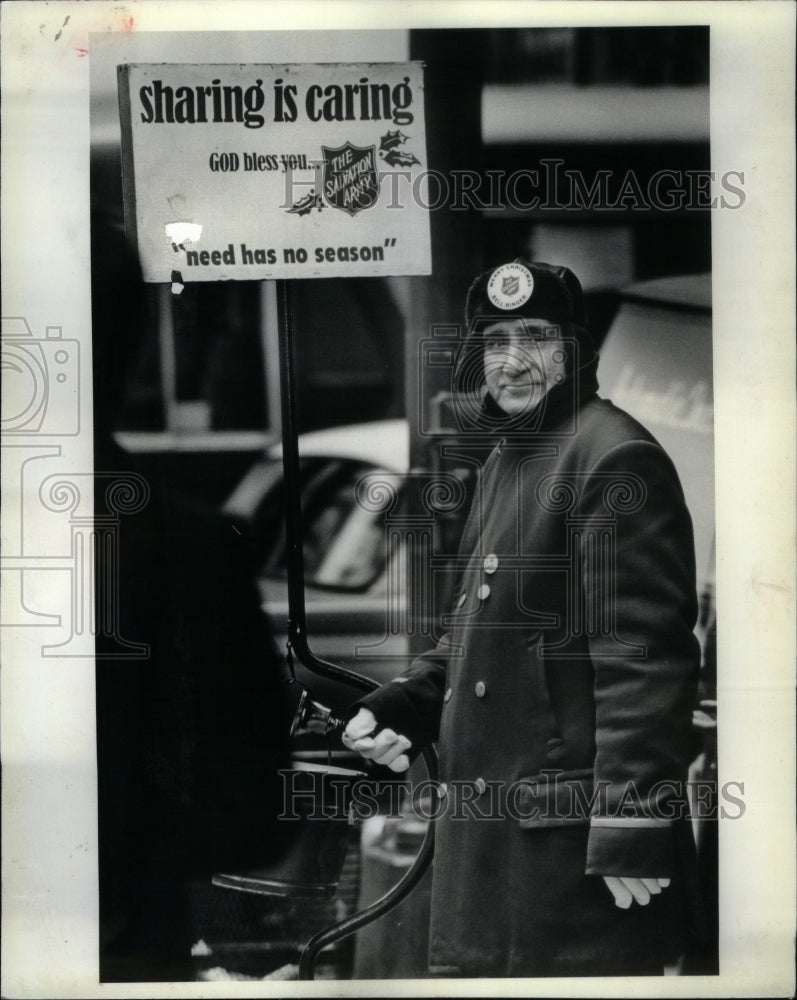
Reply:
x=402, y=888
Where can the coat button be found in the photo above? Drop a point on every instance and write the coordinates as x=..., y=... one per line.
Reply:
x=480, y=689
x=481, y=786
x=461, y=599
x=483, y=592
x=491, y=563
x=447, y=695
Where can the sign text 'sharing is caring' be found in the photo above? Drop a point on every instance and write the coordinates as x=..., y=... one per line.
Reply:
x=295, y=171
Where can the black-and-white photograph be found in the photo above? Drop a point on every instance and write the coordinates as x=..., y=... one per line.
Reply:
x=396, y=571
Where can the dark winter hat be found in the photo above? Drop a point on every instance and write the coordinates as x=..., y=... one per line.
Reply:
x=526, y=289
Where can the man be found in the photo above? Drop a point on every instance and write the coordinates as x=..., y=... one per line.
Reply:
x=562, y=693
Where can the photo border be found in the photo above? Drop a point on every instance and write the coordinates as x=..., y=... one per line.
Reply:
x=48, y=737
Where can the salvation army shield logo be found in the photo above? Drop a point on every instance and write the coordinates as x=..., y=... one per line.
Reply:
x=510, y=285
x=351, y=182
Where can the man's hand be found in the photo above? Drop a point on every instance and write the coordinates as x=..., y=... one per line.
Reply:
x=626, y=890
x=386, y=747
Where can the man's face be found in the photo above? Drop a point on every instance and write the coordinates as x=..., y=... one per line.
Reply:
x=522, y=362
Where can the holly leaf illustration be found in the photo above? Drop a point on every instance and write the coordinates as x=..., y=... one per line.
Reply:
x=392, y=139
x=397, y=158
x=305, y=205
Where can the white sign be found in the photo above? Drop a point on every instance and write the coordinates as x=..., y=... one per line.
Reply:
x=295, y=171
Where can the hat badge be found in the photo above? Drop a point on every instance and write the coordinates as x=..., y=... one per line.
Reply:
x=510, y=286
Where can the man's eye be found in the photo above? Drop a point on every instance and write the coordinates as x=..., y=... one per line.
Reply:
x=493, y=343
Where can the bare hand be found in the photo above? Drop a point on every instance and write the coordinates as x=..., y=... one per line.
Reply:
x=386, y=747
x=626, y=890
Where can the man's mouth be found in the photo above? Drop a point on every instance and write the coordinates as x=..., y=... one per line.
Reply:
x=527, y=382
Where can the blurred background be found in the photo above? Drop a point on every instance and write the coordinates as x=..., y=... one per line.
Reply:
x=196, y=406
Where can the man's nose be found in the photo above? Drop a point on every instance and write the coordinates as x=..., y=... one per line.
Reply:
x=517, y=357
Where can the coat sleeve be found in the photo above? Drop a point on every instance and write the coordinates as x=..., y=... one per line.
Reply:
x=411, y=704
x=645, y=657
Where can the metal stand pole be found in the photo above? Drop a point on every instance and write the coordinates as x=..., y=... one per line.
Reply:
x=297, y=624
x=297, y=637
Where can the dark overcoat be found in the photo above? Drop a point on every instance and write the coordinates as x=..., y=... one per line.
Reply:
x=561, y=699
